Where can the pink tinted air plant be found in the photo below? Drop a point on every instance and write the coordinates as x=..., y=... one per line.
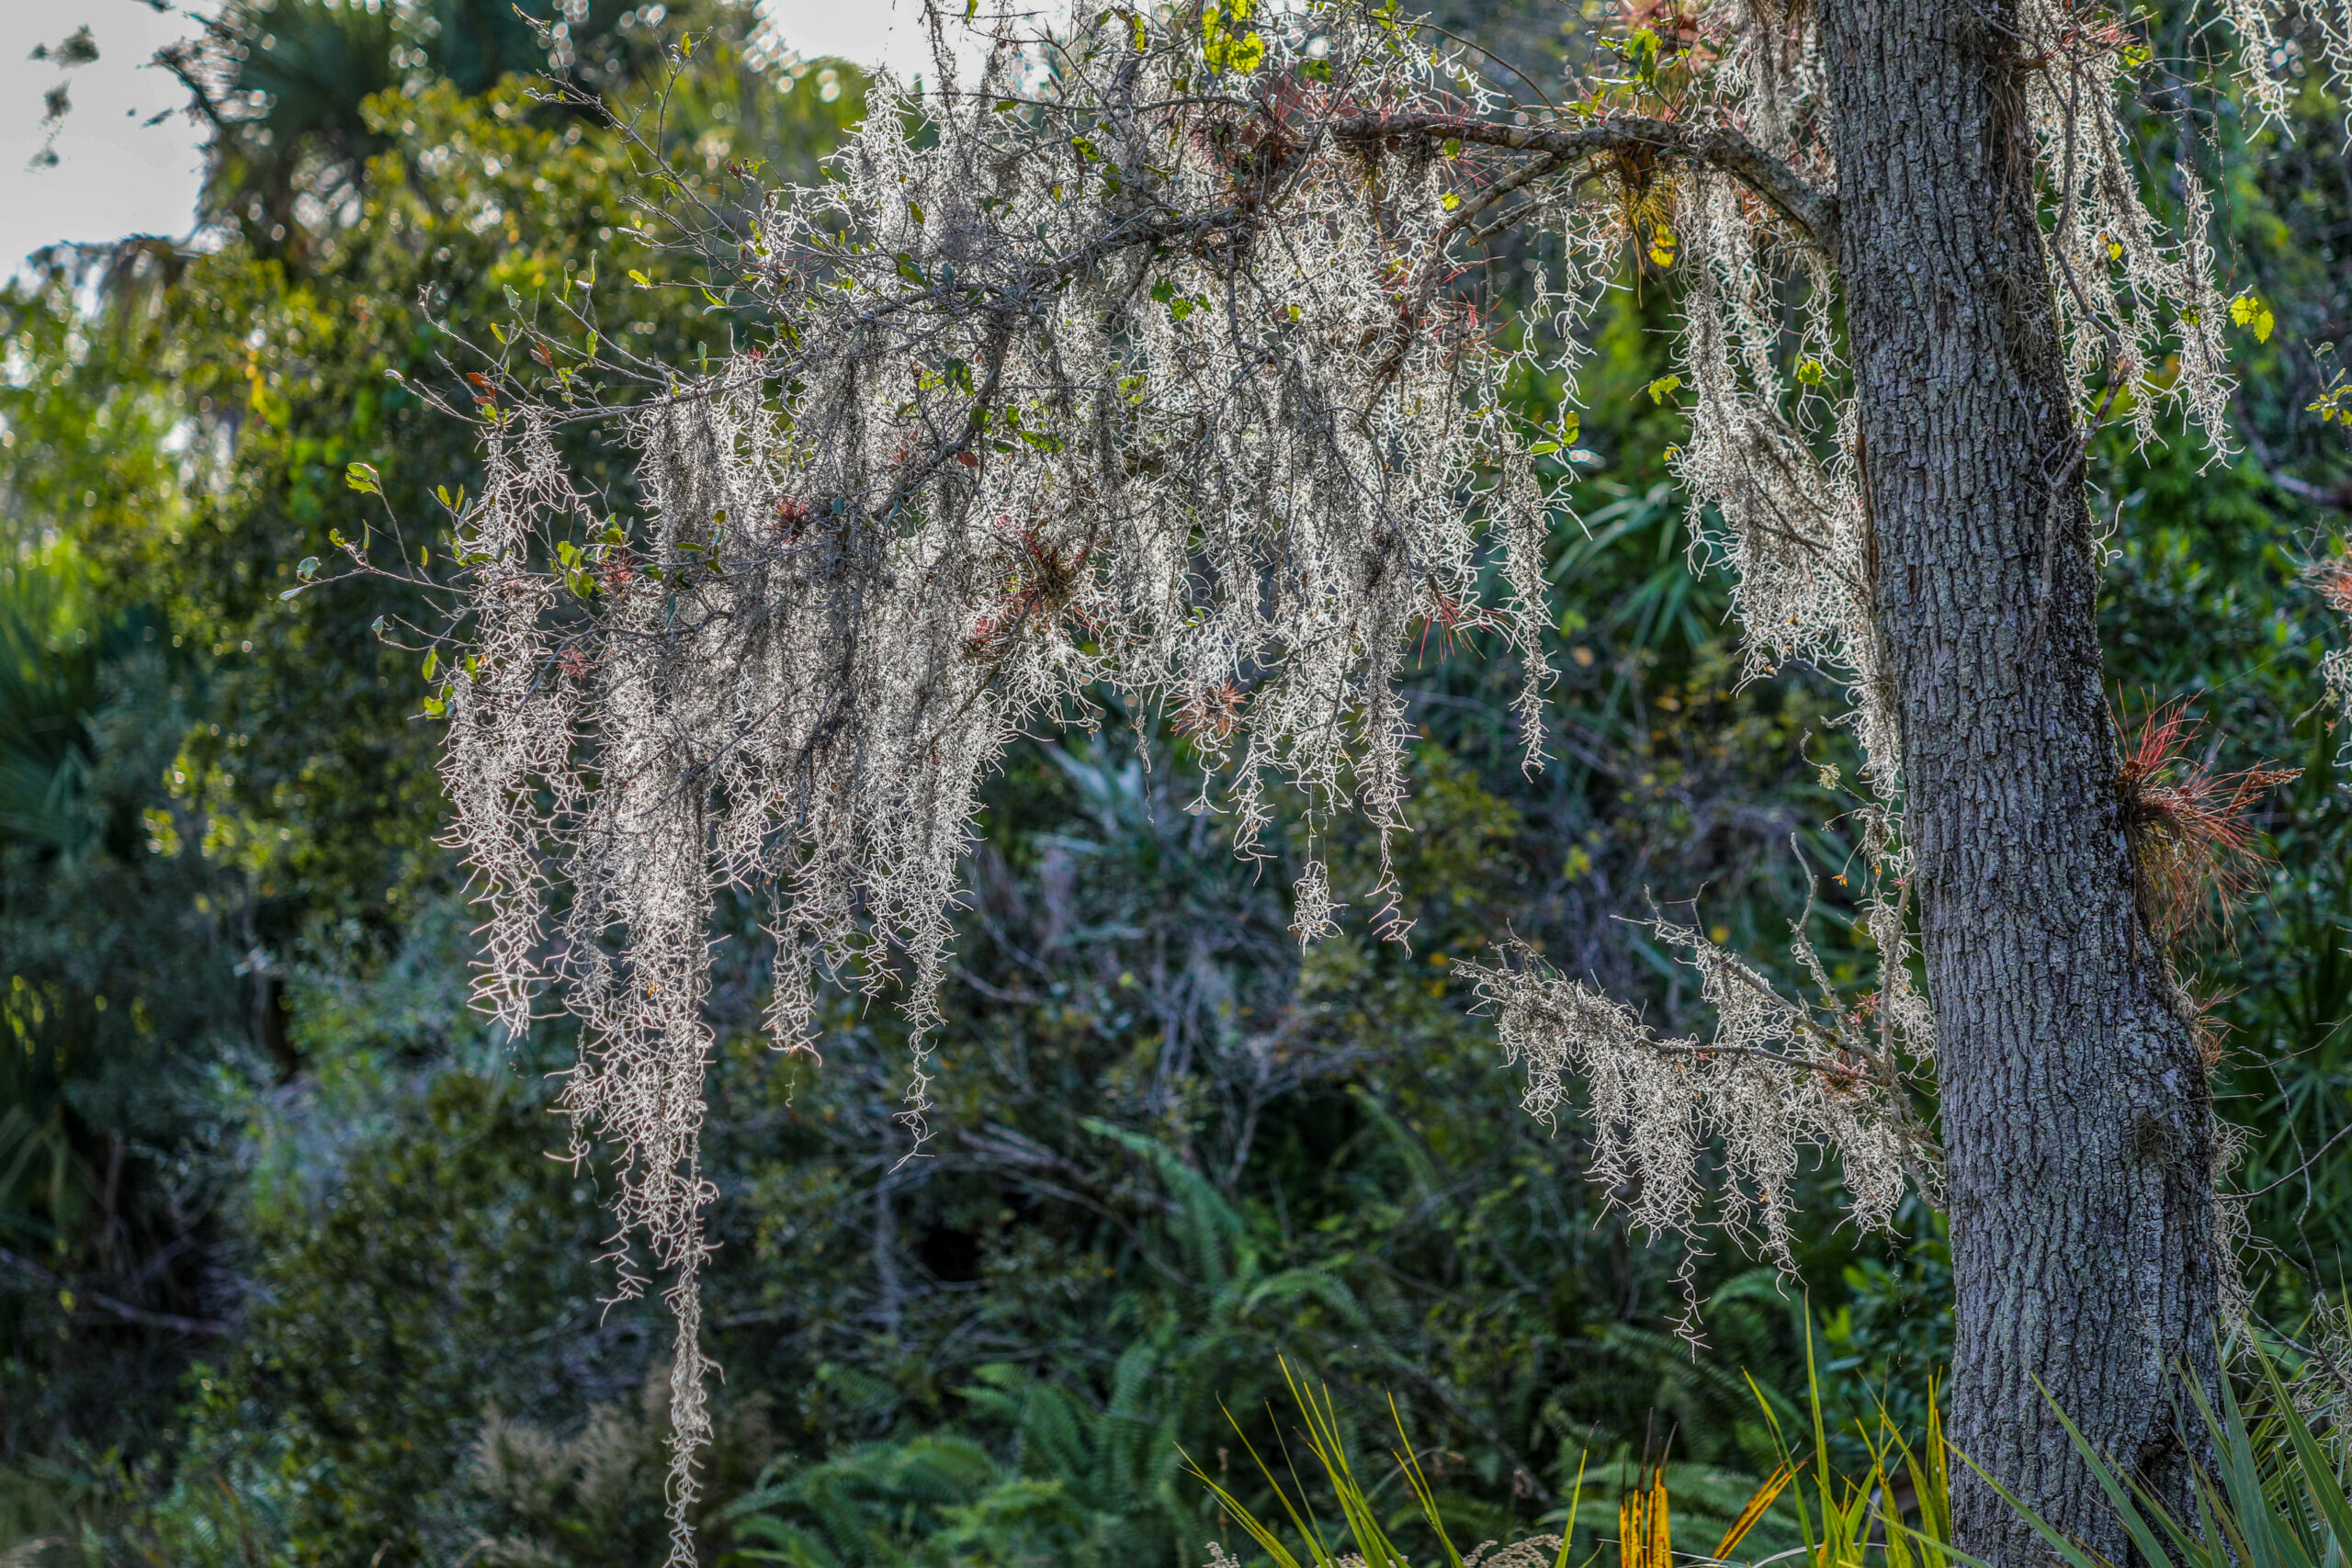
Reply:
x=2192, y=831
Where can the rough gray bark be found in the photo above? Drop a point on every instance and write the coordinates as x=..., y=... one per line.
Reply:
x=2076, y=1115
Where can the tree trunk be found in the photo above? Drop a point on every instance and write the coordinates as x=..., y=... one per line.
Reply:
x=2076, y=1112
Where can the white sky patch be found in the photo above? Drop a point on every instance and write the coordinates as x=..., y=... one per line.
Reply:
x=115, y=174
x=866, y=32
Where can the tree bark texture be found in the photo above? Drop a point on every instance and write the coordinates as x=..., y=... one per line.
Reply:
x=2076, y=1112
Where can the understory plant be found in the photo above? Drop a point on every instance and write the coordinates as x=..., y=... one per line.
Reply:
x=2270, y=1493
x=1836, y=1520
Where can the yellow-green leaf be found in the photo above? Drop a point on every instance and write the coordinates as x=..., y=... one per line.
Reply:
x=2249, y=310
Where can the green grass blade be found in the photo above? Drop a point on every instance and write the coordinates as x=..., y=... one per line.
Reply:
x=2069, y=1552
x=1422, y=1494
x=1575, y=1500
x=2119, y=1495
x=1267, y=1541
x=1306, y=1528
x=2320, y=1478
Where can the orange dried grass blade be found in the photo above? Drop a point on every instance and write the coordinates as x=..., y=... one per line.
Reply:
x=1754, y=1509
x=1644, y=1531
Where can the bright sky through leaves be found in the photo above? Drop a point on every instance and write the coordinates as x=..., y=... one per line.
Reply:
x=116, y=174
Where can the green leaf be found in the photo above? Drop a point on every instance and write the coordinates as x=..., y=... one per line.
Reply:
x=914, y=210
x=309, y=568
x=1449, y=201
x=1810, y=372
x=363, y=479
x=1641, y=51
x=2249, y=310
x=432, y=663
x=434, y=707
x=639, y=278
x=1663, y=388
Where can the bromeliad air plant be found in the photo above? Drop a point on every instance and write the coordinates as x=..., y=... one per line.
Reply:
x=1144, y=354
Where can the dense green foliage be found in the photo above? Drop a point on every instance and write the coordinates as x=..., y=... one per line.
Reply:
x=289, y=1277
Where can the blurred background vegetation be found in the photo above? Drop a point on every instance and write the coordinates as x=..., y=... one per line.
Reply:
x=286, y=1274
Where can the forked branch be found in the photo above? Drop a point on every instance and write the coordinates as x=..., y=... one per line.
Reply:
x=1811, y=209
